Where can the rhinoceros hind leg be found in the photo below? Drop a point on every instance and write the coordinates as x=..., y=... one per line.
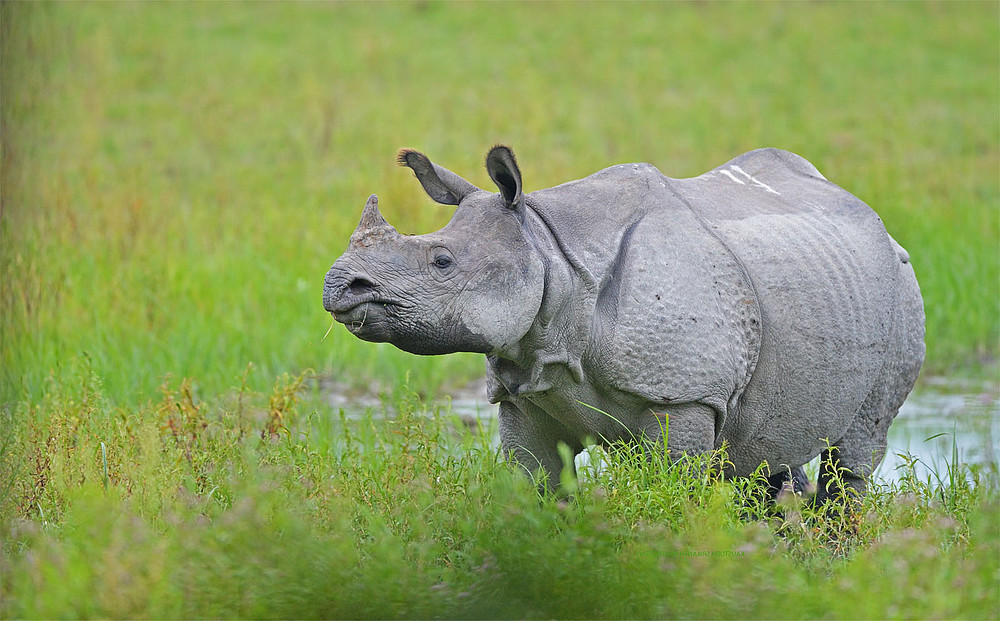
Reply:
x=792, y=480
x=850, y=461
x=839, y=481
x=846, y=464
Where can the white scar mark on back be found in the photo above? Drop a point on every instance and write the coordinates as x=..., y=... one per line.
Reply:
x=752, y=180
x=731, y=176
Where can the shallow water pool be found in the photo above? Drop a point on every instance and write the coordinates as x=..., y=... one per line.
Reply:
x=938, y=419
x=935, y=422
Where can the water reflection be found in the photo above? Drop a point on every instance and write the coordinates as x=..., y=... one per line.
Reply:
x=931, y=425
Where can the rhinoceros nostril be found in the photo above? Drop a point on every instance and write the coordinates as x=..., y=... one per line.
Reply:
x=360, y=286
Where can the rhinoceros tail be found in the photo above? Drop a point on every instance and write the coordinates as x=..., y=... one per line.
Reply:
x=904, y=256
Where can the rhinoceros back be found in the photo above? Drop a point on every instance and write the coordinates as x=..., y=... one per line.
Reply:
x=825, y=274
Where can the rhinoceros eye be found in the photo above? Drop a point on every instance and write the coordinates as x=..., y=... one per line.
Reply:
x=441, y=263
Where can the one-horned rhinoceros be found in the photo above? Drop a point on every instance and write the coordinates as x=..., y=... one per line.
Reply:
x=758, y=306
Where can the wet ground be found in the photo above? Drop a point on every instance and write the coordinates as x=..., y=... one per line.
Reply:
x=942, y=418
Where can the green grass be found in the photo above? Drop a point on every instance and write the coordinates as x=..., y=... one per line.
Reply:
x=256, y=506
x=177, y=178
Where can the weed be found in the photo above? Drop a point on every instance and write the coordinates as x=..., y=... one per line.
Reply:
x=417, y=514
x=280, y=412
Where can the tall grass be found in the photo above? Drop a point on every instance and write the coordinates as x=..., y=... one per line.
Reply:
x=210, y=509
x=177, y=177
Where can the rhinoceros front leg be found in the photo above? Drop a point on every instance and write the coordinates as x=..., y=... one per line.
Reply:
x=689, y=428
x=531, y=438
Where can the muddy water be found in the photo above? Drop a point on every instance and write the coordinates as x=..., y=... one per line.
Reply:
x=940, y=417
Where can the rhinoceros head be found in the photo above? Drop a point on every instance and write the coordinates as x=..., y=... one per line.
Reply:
x=475, y=285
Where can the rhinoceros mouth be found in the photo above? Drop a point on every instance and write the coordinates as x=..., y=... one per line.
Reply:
x=348, y=303
x=352, y=310
x=369, y=321
x=363, y=311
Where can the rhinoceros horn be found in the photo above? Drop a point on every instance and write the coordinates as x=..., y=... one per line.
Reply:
x=372, y=226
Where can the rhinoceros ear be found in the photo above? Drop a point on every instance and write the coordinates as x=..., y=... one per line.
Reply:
x=503, y=170
x=440, y=183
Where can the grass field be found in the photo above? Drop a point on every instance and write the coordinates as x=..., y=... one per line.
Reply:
x=255, y=507
x=177, y=178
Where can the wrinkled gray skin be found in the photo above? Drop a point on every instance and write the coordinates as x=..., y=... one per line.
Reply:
x=757, y=305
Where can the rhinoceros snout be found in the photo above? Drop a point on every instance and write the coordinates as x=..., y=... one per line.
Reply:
x=344, y=290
